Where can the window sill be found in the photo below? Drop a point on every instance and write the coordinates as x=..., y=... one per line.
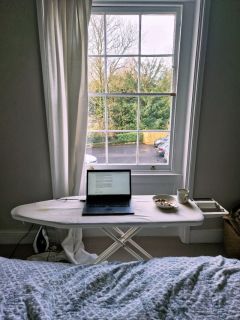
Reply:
x=154, y=173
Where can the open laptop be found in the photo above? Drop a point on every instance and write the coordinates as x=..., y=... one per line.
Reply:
x=108, y=193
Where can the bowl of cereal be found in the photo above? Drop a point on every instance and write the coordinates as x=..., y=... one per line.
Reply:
x=165, y=201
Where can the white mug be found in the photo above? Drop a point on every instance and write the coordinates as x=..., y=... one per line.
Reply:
x=182, y=195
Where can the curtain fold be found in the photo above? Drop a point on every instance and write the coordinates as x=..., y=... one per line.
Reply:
x=63, y=37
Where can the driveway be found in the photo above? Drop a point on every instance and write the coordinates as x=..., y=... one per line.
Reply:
x=126, y=153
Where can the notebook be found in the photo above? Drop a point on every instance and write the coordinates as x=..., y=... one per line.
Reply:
x=108, y=193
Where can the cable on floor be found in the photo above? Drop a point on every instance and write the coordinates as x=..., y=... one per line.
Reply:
x=21, y=239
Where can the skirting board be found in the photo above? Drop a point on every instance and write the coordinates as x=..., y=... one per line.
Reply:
x=57, y=235
x=206, y=236
x=13, y=237
x=187, y=235
x=194, y=236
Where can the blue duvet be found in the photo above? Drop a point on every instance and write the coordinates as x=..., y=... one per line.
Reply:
x=161, y=288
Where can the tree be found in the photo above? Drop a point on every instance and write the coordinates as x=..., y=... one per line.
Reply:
x=122, y=77
x=121, y=37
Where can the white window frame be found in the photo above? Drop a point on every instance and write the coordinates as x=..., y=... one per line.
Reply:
x=174, y=55
x=180, y=170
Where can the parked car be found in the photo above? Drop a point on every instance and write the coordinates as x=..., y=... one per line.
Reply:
x=162, y=149
x=160, y=141
x=90, y=159
x=166, y=155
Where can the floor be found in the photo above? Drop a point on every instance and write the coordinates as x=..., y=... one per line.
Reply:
x=156, y=246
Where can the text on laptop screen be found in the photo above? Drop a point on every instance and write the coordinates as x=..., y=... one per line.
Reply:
x=108, y=183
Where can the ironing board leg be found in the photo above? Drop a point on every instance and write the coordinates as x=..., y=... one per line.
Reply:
x=120, y=241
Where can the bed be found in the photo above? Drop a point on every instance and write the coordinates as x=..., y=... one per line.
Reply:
x=160, y=288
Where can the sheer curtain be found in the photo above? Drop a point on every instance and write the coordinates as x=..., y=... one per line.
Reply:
x=63, y=36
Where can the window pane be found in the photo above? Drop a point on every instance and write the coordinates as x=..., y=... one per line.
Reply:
x=153, y=147
x=122, y=75
x=120, y=119
x=122, y=34
x=96, y=74
x=96, y=114
x=96, y=147
x=96, y=35
x=158, y=34
x=122, y=147
x=122, y=113
x=155, y=112
x=156, y=75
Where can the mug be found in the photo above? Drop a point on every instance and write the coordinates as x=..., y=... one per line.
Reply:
x=182, y=195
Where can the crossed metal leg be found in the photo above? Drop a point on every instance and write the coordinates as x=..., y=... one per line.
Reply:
x=120, y=241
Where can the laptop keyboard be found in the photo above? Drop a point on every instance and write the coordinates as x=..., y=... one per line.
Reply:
x=124, y=204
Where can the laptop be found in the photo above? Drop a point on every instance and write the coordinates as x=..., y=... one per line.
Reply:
x=108, y=193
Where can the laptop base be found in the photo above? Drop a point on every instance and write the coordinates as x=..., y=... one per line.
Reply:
x=90, y=210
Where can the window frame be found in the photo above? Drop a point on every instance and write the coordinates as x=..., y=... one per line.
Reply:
x=164, y=9
x=195, y=13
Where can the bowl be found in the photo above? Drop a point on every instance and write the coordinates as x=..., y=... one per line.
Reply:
x=165, y=201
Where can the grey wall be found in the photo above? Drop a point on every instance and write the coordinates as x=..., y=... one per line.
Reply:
x=218, y=167
x=24, y=157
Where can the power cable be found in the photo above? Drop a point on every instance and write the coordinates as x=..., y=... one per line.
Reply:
x=21, y=239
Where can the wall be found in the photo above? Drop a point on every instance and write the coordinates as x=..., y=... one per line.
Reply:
x=24, y=160
x=217, y=167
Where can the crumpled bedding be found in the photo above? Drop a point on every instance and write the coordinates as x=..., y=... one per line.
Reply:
x=161, y=288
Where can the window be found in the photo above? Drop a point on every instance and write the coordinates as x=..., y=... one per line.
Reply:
x=132, y=79
x=141, y=62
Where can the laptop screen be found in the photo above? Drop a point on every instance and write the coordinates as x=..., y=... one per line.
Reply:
x=108, y=182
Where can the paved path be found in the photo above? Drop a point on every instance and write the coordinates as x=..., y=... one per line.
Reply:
x=126, y=154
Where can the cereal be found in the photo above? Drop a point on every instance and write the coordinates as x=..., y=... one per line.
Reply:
x=164, y=202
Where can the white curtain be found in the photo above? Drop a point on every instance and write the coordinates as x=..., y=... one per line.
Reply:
x=63, y=36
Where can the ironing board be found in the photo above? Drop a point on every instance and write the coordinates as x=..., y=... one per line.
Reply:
x=67, y=213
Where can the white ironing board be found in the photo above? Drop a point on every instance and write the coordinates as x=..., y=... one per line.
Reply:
x=67, y=214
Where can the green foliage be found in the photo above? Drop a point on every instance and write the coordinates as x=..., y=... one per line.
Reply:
x=97, y=139
x=155, y=113
x=125, y=137
x=116, y=138
x=122, y=113
x=155, y=77
x=96, y=113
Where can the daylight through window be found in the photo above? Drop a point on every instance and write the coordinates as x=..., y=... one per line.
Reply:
x=133, y=64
